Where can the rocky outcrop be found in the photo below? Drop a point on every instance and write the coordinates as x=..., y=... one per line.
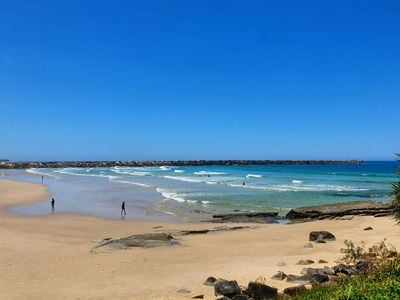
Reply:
x=105, y=164
x=148, y=240
x=338, y=210
x=246, y=217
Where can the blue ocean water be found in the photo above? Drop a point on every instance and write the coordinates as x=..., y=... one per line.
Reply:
x=211, y=189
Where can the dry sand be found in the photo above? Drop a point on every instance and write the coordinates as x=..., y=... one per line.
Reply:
x=50, y=257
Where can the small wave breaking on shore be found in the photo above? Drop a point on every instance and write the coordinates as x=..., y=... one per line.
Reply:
x=39, y=172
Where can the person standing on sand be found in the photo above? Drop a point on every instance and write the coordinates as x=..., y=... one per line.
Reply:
x=123, y=209
x=52, y=203
x=42, y=179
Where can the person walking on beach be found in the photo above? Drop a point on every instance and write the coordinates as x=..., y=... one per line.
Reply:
x=123, y=211
x=52, y=203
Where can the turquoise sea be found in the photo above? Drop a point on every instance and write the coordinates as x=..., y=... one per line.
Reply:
x=200, y=191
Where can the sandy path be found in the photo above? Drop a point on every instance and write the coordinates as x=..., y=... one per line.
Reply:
x=50, y=258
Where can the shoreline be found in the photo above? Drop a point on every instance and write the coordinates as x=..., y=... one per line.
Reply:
x=51, y=256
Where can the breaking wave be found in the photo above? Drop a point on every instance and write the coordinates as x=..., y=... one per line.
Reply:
x=253, y=176
x=40, y=172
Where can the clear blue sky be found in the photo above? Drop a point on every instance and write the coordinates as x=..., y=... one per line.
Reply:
x=92, y=80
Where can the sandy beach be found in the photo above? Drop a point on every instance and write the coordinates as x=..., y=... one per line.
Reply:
x=51, y=257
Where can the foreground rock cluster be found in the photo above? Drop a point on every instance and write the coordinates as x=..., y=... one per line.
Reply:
x=107, y=164
x=308, y=279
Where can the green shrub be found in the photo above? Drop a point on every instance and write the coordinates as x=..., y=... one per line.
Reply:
x=396, y=196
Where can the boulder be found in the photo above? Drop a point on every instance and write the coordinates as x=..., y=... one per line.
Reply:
x=228, y=288
x=321, y=235
x=324, y=271
x=210, y=281
x=279, y=276
x=298, y=279
x=343, y=269
x=363, y=266
x=294, y=291
x=305, y=262
x=260, y=279
x=368, y=228
x=259, y=291
x=318, y=278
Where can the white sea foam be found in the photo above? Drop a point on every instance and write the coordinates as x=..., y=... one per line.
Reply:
x=40, y=172
x=170, y=195
x=179, y=171
x=253, y=176
x=182, y=178
x=128, y=182
x=190, y=179
x=69, y=171
x=209, y=173
x=179, y=197
x=130, y=172
x=298, y=188
x=165, y=168
x=297, y=181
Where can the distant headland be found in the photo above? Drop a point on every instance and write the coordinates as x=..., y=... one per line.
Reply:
x=157, y=163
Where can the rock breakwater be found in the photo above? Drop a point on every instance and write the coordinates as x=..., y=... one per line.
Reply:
x=108, y=164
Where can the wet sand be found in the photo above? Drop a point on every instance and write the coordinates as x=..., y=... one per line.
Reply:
x=50, y=257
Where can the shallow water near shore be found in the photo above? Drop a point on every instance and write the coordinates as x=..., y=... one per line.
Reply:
x=195, y=193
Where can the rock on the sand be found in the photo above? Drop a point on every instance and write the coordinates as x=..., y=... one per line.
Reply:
x=210, y=281
x=294, y=290
x=321, y=235
x=227, y=288
x=308, y=245
x=279, y=276
x=259, y=291
x=305, y=262
x=297, y=278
